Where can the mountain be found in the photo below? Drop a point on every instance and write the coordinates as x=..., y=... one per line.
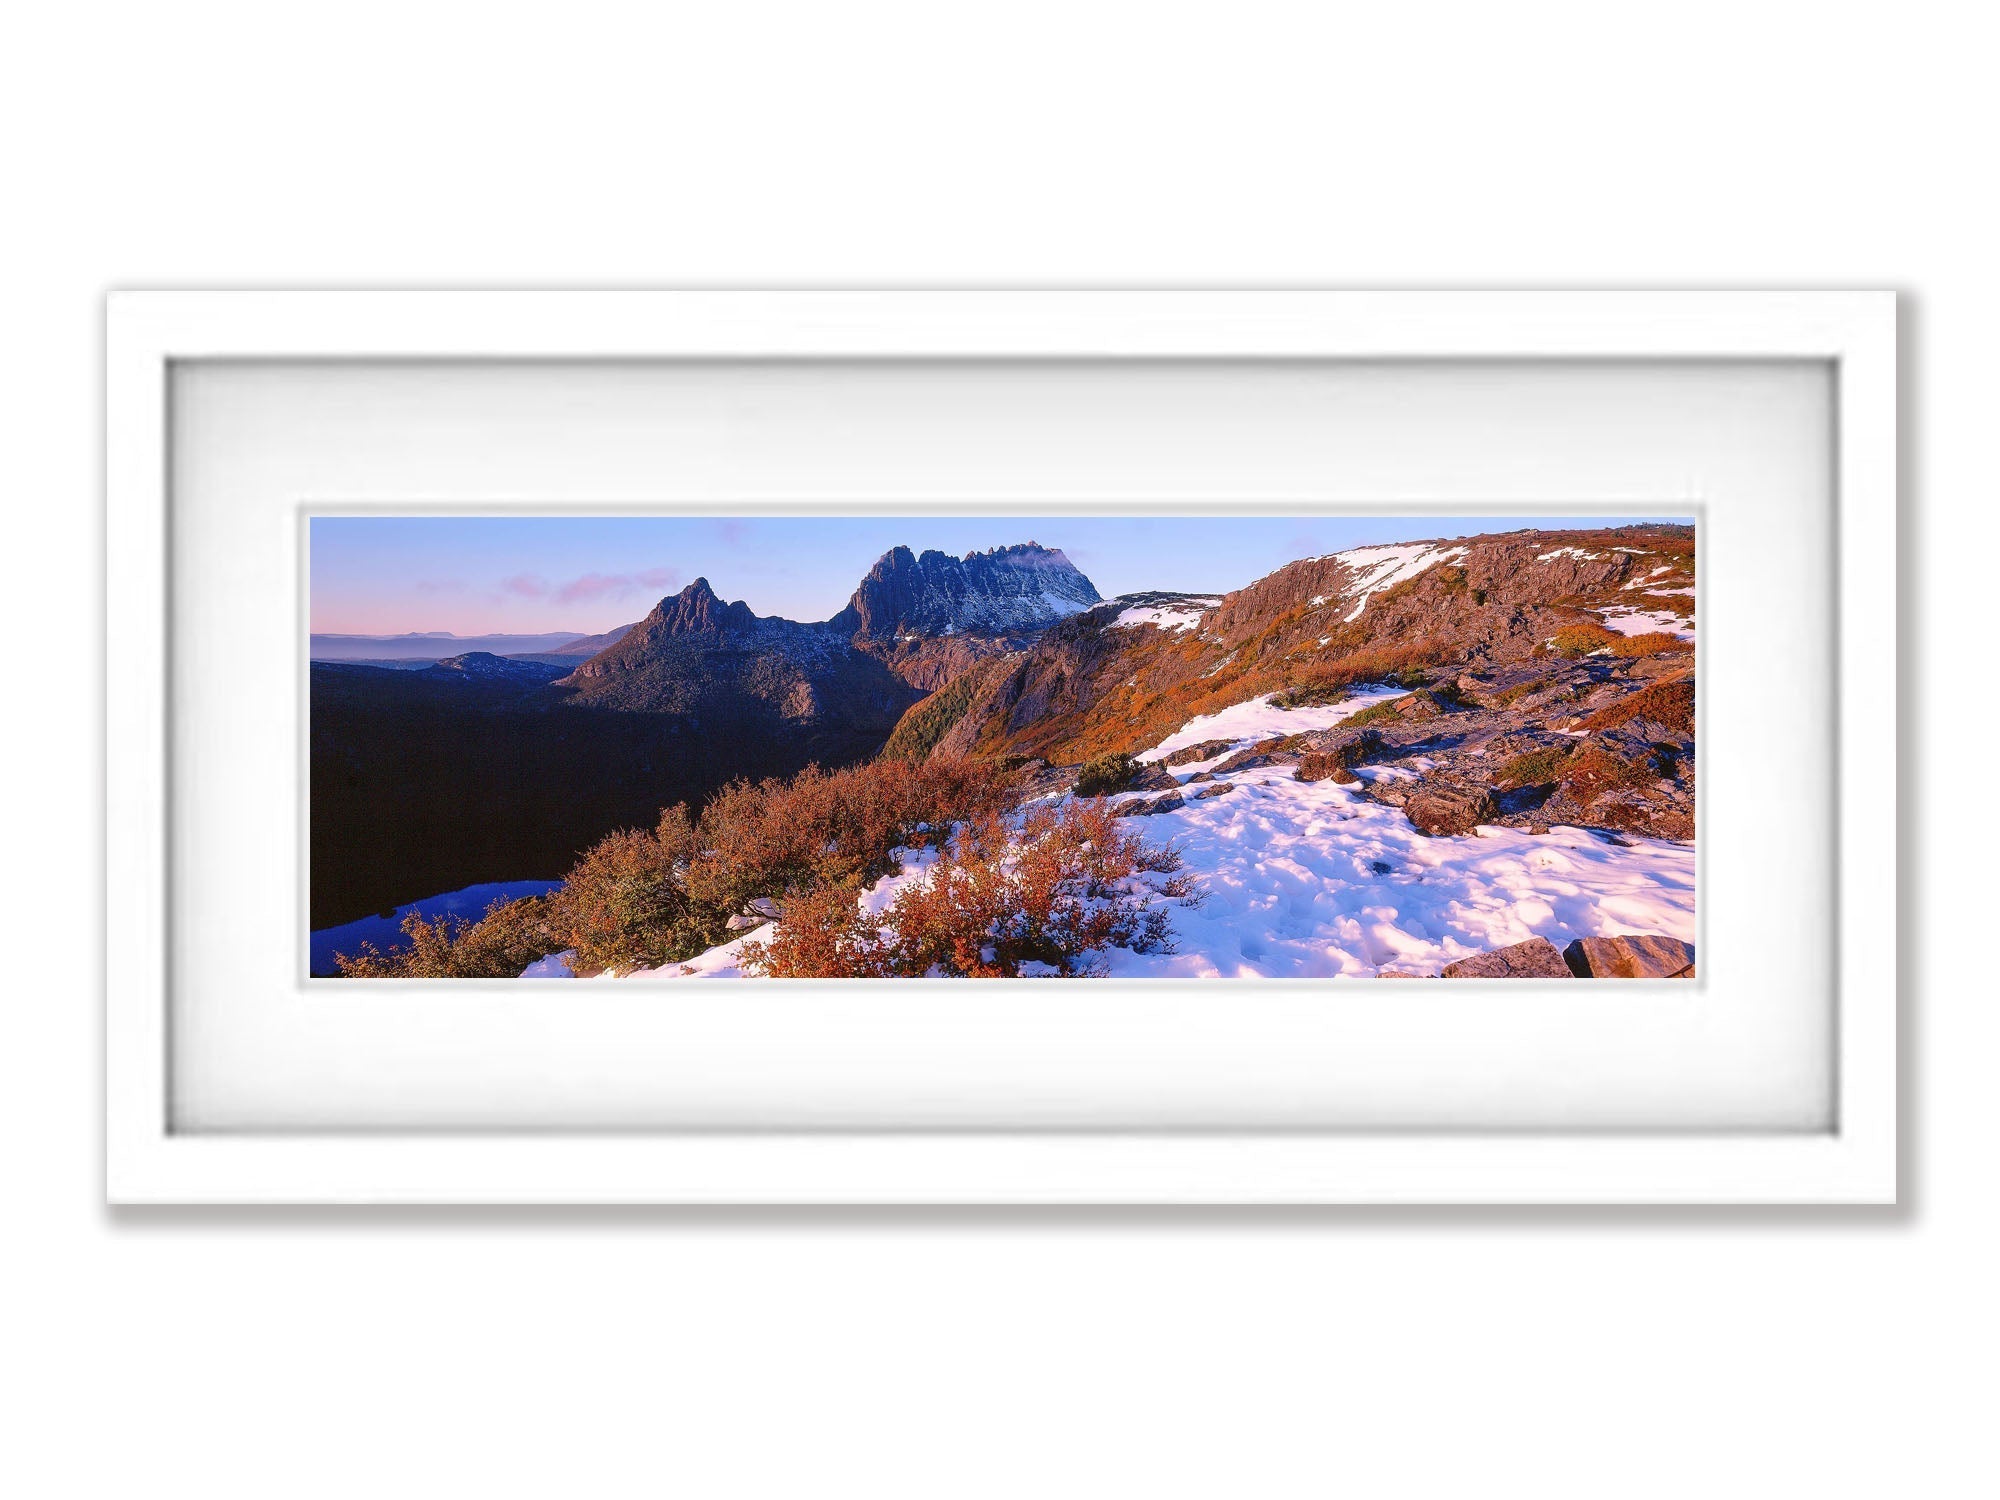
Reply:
x=730, y=671
x=432, y=645
x=1120, y=675
x=699, y=692
x=484, y=666
x=590, y=645
x=914, y=623
x=1018, y=590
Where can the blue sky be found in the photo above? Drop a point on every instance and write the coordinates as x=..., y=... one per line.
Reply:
x=475, y=575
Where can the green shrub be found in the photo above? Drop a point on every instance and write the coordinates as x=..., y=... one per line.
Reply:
x=926, y=722
x=1102, y=775
x=1535, y=768
x=1315, y=696
x=1377, y=713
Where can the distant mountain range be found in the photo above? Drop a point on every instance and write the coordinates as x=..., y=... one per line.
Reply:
x=436, y=645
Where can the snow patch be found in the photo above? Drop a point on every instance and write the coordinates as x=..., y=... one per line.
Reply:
x=1628, y=621
x=1640, y=582
x=1571, y=552
x=1312, y=879
x=1378, y=568
x=1258, y=719
x=1175, y=617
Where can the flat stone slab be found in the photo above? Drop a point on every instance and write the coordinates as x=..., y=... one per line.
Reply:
x=1630, y=957
x=1445, y=809
x=1537, y=958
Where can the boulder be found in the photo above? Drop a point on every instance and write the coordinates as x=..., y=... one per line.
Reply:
x=1206, y=750
x=1630, y=956
x=1349, y=746
x=1537, y=958
x=1153, y=777
x=1213, y=789
x=1391, y=791
x=1145, y=807
x=1318, y=765
x=743, y=922
x=1424, y=703
x=1442, y=809
x=1254, y=759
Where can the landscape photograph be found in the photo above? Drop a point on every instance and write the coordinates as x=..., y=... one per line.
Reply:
x=664, y=748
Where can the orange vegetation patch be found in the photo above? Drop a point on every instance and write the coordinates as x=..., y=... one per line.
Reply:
x=1583, y=638
x=1048, y=896
x=1669, y=703
x=1652, y=643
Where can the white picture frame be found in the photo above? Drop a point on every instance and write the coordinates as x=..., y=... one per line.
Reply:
x=148, y=1160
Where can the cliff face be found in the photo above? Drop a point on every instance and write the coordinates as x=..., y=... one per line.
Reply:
x=1016, y=590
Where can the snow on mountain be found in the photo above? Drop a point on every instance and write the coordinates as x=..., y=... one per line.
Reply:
x=1372, y=569
x=1170, y=613
x=1628, y=621
x=1008, y=590
x=1259, y=719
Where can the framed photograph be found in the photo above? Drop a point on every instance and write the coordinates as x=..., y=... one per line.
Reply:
x=990, y=747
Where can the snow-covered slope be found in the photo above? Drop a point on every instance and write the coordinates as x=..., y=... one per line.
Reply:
x=1316, y=880
x=1311, y=879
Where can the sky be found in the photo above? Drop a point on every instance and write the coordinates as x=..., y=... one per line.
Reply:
x=480, y=575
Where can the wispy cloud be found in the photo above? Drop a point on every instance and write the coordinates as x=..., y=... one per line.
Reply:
x=591, y=585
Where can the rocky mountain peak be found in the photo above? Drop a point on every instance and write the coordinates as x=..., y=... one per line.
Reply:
x=697, y=608
x=1015, y=589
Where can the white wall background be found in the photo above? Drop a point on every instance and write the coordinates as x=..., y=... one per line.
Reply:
x=1445, y=1353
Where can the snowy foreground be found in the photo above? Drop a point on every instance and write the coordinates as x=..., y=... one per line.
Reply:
x=1312, y=879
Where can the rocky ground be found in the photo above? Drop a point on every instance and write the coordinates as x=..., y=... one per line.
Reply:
x=1594, y=743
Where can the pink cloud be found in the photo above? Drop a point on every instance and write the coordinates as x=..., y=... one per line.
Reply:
x=616, y=585
x=591, y=585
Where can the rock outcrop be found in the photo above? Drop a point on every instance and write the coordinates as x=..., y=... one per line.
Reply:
x=1537, y=958
x=1630, y=957
x=1017, y=590
x=1443, y=809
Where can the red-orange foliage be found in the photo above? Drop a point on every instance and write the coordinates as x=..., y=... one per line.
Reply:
x=1669, y=703
x=1652, y=643
x=1583, y=638
x=1056, y=890
x=832, y=828
x=642, y=898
